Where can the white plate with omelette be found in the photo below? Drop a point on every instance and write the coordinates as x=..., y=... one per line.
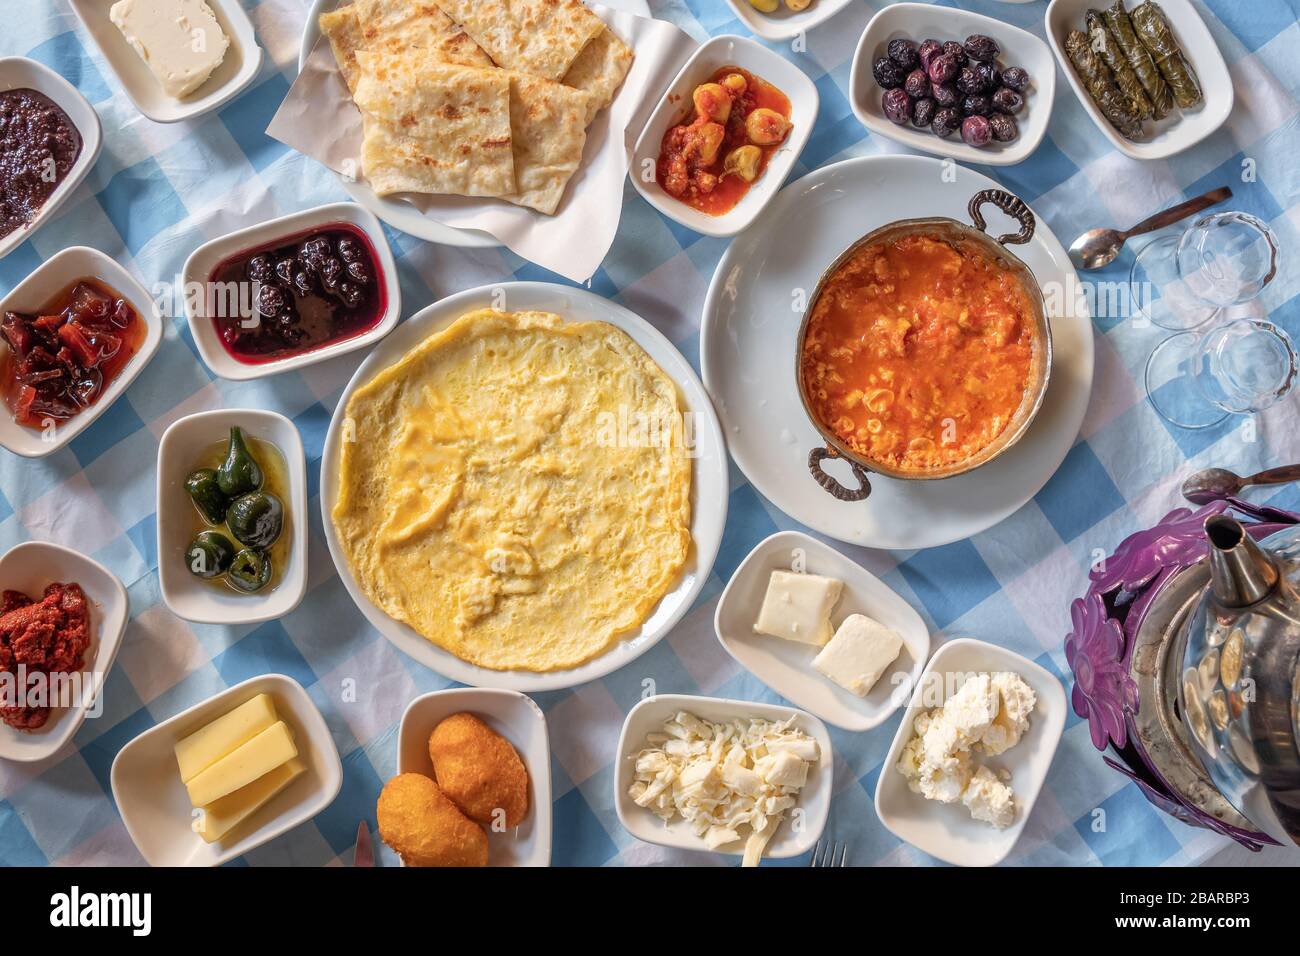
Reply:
x=524, y=486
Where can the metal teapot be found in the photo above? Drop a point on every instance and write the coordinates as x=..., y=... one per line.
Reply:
x=1239, y=692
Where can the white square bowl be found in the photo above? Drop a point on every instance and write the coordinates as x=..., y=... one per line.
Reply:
x=19, y=72
x=675, y=106
x=193, y=598
x=242, y=61
x=31, y=566
x=785, y=24
x=199, y=266
x=947, y=831
x=649, y=716
x=518, y=719
x=920, y=21
x=1181, y=129
x=155, y=806
x=51, y=278
x=786, y=666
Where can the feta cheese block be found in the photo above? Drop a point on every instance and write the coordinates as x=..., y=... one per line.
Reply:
x=860, y=651
x=223, y=815
x=798, y=607
x=179, y=40
x=260, y=755
x=201, y=749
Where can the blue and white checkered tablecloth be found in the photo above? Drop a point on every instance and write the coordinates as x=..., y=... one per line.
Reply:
x=158, y=191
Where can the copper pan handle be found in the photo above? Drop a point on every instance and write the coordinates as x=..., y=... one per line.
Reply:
x=1013, y=206
x=815, y=459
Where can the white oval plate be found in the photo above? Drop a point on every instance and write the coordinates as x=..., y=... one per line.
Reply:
x=949, y=832
x=918, y=21
x=649, y=715
x=1181, y=129
x=786, y=666
x=747, y=356
x=709, y=487
x=515, y=717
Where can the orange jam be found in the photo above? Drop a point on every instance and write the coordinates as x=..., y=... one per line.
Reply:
x=918, y=352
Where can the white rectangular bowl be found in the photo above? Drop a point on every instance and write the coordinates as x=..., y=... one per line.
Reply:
x=51, y=278
x=675, y=106
x=19, y=72
x=947, y=831
x=516, y=718
x=193, y=598
x=785, y=23
x=921, y=21
x=155, y=806
x=31, y=566
x=648, y=717
x=242, y=61
x=198, y=268
x=1181, y=129
x=786, y=666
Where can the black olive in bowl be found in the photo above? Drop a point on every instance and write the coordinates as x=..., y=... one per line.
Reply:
x=1008, y=101
x=947, y=120
x=927, y=51
x=981, y=47
x=976, y=131
x=897, y=106
x=917, y=84
x=923, y=112
x=1004, y=127
x=978, y=105
x=888, y=73
x=945, y=94
x=1016, y=78
x=956, y=51
x=943, y=68
x=903, y=52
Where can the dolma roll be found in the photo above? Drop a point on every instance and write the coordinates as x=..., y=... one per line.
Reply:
x=1104, y=45
x=1153, y=31
x=1100, y=84
x=1153, y=81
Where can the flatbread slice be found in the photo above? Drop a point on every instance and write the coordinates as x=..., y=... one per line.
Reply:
x=392, y=26
x=434, y=127
x=541, y=37
x=548, y=129
x=600, y=69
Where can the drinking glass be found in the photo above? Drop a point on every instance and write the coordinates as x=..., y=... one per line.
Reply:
x=1223, y=259
x=1197, y=379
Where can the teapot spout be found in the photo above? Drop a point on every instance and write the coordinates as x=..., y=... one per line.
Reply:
x=1241, y=572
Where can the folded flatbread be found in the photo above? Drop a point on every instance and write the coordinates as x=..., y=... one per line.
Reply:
x=391, y=26
x=541, y=37
x=600, y=69
x=434, y=127
x=548, y=123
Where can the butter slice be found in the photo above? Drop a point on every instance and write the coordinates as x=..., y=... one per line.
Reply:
x=798, y=607
x=260, y=755
x=201, y=749
x=860, y=651
x=179, y=40
x=224, y=815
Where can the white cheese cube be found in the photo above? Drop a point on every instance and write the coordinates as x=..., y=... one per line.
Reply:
x=798, y=607
x=860, y=651
x=179, y=40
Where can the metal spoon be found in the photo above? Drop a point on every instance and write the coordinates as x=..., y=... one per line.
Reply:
x=1097, y=248
x=1214, y=483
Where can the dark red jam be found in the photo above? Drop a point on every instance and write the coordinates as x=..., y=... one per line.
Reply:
x=38, y=146
x=61, y=360
x=303, y=293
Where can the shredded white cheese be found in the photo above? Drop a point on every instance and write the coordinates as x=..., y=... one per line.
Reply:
x=722, y=777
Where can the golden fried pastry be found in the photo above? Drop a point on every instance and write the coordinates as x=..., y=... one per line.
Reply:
x=480, y=771
x=424, y=827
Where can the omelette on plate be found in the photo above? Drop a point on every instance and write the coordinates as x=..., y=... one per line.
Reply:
x=516, y=489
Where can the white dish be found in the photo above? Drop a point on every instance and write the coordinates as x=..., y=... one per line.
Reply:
x=786, y=666
x=920, y=21
x=31, y=566
x=675, y=106
x=182, y=444
x=709, y=487
x=238, y=68
x=199, y=266
x=398, y=214
x=1181, y=129
x=747, y=356
x=155, y=805
x=50, y=279
x=520, y=721
x=649, y=716
x=785, y=23
x=947, y=831
x=19, y=72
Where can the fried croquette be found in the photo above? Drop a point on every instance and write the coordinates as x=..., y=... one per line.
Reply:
x=480, y=771
x=425, y=828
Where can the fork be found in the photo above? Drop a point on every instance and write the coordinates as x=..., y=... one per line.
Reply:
x=825, y=853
